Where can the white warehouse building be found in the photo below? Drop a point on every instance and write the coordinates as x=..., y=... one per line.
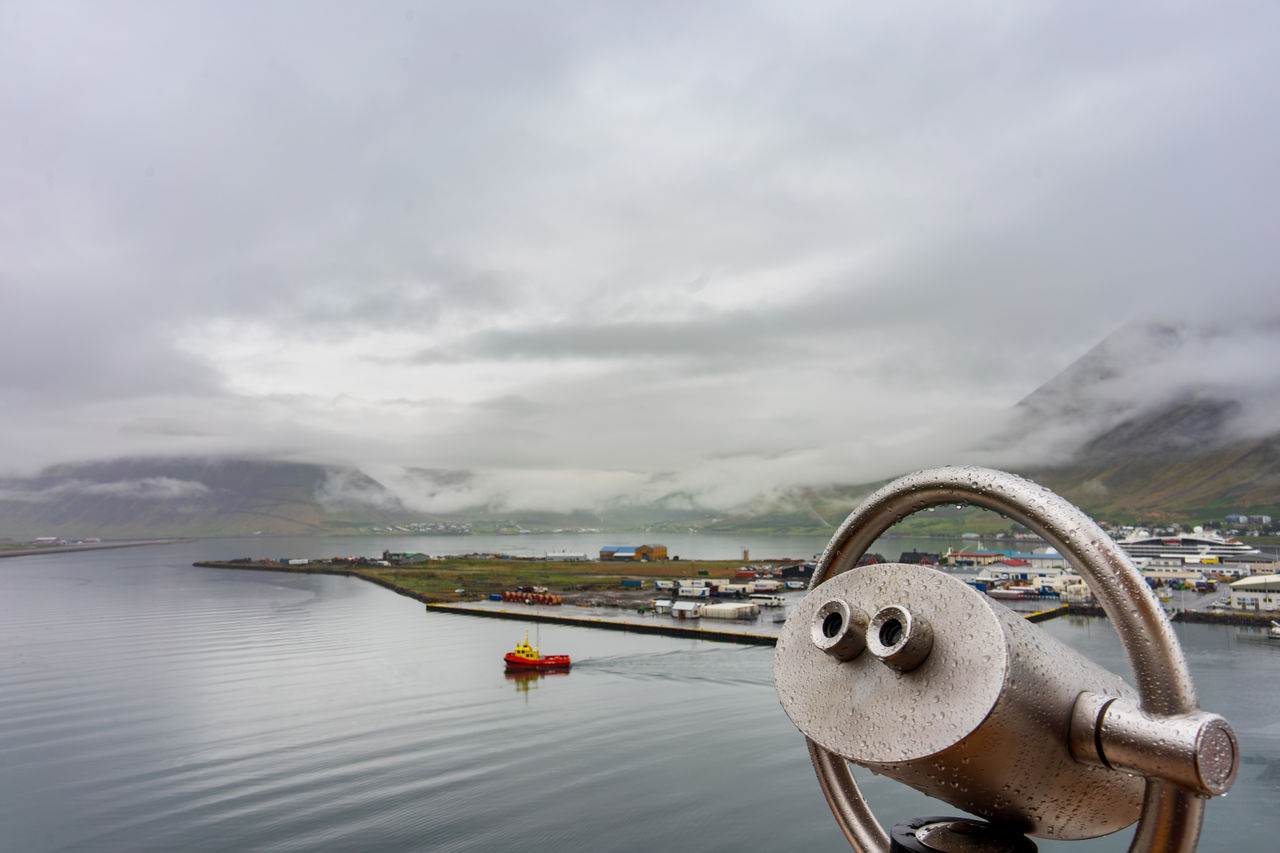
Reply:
x=1259, y=592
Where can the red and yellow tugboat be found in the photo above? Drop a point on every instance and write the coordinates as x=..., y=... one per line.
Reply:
x=525, y=656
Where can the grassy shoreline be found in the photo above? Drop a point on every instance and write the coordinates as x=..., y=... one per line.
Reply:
x=439, y=580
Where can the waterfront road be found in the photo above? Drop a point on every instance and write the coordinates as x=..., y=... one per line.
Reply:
x=87, y=546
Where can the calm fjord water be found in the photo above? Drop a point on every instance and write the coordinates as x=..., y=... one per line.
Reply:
x=149, y=705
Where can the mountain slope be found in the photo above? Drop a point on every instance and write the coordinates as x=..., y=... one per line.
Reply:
x=1156, y=422
x=191, y=497
x=1177, y=462
x=1160, y=422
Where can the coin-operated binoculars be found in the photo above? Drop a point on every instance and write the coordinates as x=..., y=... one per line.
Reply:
x=915, y=675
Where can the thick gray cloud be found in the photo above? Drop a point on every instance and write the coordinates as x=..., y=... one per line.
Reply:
x=145, y=488
x=736, y=245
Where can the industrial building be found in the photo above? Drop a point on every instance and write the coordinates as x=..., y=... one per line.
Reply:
x=1260, y=592
x=633, y=552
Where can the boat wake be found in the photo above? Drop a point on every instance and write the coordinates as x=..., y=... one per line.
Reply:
x=736, y=665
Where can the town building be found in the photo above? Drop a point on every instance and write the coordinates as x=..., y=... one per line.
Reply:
x=1259, y=592
x=633, y=552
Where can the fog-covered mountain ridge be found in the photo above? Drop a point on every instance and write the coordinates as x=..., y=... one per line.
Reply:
x=1155, y=422
x=162, y=497
x=192, y=497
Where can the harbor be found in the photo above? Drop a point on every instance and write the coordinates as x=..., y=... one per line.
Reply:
x=748, y=603
x=318, y=711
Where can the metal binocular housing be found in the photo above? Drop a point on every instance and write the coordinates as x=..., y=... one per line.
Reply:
x=914, y=674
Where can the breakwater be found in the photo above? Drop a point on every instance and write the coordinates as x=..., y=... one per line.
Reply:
x=1251, y=620
x=666, y=630
x=318, y=570
x=1042, y=615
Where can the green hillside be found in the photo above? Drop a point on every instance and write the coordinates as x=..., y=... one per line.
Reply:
x=1243, y=477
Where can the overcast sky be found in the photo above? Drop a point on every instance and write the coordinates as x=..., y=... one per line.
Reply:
x=585, y=248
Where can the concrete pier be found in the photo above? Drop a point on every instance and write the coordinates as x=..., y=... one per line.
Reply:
x=668, y=629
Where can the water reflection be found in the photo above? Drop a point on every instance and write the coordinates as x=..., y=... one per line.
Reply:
x=526, y=680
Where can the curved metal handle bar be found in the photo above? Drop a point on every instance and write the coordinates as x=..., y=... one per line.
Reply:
x=1171, y=817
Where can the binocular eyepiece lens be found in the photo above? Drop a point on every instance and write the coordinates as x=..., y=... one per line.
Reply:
x=900, y=639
